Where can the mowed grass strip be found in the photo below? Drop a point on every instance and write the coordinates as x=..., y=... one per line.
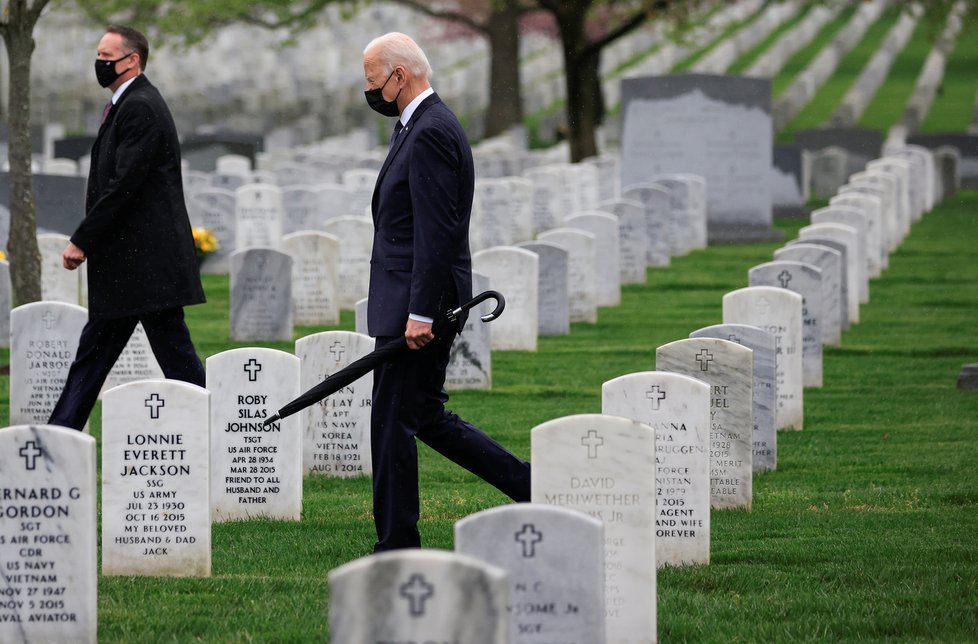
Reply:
x=804, y=56
x=954, y=103
x=830, y=94
x=886, y=108
x=866, y=530
x=745, y=60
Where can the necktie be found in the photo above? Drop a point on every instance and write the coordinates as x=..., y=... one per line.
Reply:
x=397, y=130
x=105, y=111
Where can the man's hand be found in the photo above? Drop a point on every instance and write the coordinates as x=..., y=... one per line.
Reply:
x=73, y=257
x=418, y=334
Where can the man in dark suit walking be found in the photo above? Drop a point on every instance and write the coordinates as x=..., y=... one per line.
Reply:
x=136, y=234
x=420, y=267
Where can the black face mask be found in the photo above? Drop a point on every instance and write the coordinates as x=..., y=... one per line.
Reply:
x=377, y=102
x=105, y=70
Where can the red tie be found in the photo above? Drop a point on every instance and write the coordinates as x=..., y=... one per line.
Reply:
x=105, y=111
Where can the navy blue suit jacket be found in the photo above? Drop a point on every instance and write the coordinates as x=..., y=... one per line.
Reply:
x=421, y=207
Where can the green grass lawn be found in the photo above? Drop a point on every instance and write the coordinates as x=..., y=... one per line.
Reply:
x=867, y=530
x=745, y=60
x=952, y=108
x=804, y=56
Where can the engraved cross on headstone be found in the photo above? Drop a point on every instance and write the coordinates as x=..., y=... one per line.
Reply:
x=784, y=278
x=592, y=441
x=528, y=537
x=337, y=350
x=656, y=395
x=30, y=451
x=49, y=319
x=252, y=367
x=416, y=591
x=704, y=357
x=733, y=337
x=154, y=403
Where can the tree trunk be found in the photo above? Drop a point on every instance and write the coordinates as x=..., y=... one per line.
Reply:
x=505, y=96
x=581, y=77
x=25, y=258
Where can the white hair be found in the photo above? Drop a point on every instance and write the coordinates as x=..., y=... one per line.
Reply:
x=395, y=49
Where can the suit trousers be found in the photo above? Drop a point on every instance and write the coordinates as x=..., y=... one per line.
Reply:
x=101, y=342
x=409, y=401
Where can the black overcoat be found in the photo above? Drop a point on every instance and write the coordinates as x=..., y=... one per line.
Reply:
x=136, y=233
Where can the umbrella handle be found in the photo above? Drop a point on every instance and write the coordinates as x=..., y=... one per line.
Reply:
x=453, y=314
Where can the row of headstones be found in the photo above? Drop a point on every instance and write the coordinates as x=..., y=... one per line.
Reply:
x=589, y=463
x=795, y=97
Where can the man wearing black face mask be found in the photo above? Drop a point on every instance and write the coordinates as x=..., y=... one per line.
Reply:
x=420, y=267
x=136, y=234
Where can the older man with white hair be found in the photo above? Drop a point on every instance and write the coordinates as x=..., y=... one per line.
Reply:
x=420, y=267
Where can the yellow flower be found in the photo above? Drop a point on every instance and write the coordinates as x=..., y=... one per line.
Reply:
x=204, y=241
x=2, y=256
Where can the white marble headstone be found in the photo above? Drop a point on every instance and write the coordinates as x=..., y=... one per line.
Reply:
x=834, y=305
x=806, y=280
x=492, y=215
x=58, y=284
x=258, y=215
x=607, y=249
x=677, y=407
x=315, y=277
x=256, y=469
x=657, y=201
x=553, y=317
x=213, y=209
x=514, y=272
x=6, y=299
x=778, y=311
x=49, y=526
x=765, y=393
x=604, y=466
x=418, y=595
x=43, y=340
x=870, y=208
x=554, y=558
x=300, y=209
x=858, y=280
x=728, y=368
x=136, y=362
x=632, y=241
x=470, y=361
x=336, y=430
x=156, y=518
x=356, y=235
x=581, y=269
x=261, y=295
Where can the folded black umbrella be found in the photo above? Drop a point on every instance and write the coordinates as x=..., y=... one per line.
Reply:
x=386, y=353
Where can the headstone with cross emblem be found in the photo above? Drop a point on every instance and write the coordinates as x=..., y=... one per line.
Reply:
x=261, y=295
x=728, y=369
x=778, y=311
x=765, y=394
x=657, y=202
x=256, y=470
x=470, y=361
x=514, y=272
x=155, y=480
x=834, y=306
x=336, y=430
x=677, y=407
x=418, y=595
x=604, y=466
x=806, y=280
x=43, y=340
x=315, y=277
x=5, y=301
x=356, y=235
x=581, y=269
x=258, y=214
x=48, y=526
x=554, y=558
